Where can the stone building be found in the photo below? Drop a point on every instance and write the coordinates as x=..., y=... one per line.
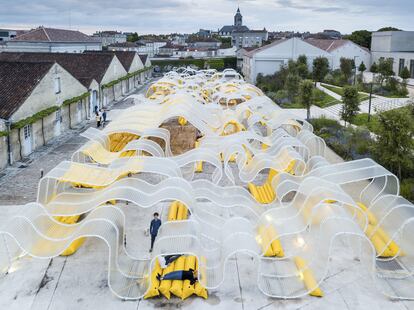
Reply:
x=53, y=40
x=241, y=35
x=38, y=101
x=110, y=37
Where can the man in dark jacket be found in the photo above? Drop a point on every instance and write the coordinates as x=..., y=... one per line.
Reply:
x=155, y=225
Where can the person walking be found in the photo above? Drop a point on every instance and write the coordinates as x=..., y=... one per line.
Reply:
x=98, y=119
x=154, y=227
x=104, y=117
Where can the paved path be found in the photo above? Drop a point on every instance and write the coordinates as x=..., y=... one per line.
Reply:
x=19, y=185
x=378, y=104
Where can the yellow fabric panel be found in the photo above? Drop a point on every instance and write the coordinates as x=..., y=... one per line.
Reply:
x=378, y=243
x=290, y=168
x=73, y=247
x=182, y=121
x=308, y=277
x=199, y=164
x=188, y=289
x=182, y=212
x=172, y=213
x=165, y=285
x=200, y=290
x=264, y=146
x=253, y=190
x=392, y=246
x=177, y=285
x=264, y=241
x=154, y=285
x=276, y=244
x=371, y=217
x=272, y=174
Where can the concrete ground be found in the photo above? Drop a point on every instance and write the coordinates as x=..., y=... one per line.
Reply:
x=80, y=281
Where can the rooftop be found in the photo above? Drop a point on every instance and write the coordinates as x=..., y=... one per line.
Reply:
x=17, y=81
x=84, y=67
x=43, y=34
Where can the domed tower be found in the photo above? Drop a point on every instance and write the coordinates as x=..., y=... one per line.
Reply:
x=238, y=18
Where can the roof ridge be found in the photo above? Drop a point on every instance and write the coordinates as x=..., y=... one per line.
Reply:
x=47, y=35
x=329, y=47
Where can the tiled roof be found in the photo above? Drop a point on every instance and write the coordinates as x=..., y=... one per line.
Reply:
x=234, y=28
x=327, y=45
x=126, y=58
x=43, y=34
x=84, y=67
x=143, y=58
x=254, y=51
x=17, y=81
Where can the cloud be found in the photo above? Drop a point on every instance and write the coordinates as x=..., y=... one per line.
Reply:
x=166, y=16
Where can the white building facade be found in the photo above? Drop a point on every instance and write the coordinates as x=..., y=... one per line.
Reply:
x=395, y=45
x=270, y=58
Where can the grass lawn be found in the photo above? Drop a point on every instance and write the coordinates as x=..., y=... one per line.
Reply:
x=362, y=120
x=323, y=100
x=340, y=92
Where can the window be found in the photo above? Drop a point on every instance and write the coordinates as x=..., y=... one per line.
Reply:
x=401, y=65
x=58, y=116
x=57, y=85
x=27, y=131
x=412, y=68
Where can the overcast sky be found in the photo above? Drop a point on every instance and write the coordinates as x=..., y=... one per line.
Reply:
x=166, y=16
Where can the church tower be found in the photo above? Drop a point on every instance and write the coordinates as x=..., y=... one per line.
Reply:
x=238, y=18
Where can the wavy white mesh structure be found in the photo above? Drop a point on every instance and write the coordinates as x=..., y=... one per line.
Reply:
x=244, y=135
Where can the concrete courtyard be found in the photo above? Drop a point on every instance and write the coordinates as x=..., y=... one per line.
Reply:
x=80, y=281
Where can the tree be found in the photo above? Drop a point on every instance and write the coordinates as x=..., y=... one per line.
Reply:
x=302, y=59
x=346, y=65
x=395, y=140
x=292, y=85
x=388, y=29
x=374, y=68
x=362, y=67
x=320, y=68
x=306, y=96
x=385, y=69
x=350, y=105
x=132, y=37
x=405, y=73
x=360, y=37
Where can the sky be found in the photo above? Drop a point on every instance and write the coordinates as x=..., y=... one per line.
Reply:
x=188, y=16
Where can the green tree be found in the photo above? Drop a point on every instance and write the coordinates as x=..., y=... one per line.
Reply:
x=405, y=73
x=132, y=37
x=346, y=65
x=360, y=37
x=388, y=29
x=385, y=69
x=306, y=96
x=374, y=68
x=302, y=59
x=362, y=67
x=292, y=85
x=350, y=105
x=320, y=68
x=395, y=136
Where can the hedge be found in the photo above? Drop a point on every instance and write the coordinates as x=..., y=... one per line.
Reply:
x=229, y=62
x=75, y=99
x=4, y=133
x=126, y=77
x=34, y=118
